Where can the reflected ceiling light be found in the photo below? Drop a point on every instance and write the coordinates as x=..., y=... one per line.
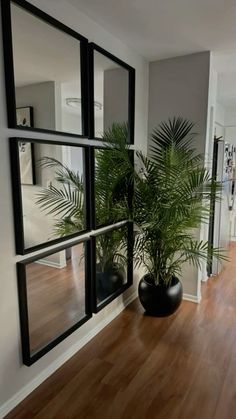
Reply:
x=75, y=102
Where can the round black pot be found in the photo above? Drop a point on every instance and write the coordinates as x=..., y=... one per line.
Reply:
x=158, y=300
x=109, y=282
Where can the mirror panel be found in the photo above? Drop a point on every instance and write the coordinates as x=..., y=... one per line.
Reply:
x=112, y=261
x=50, y=180
x=56, y=298
x=113, y=91
x=47, y=64
x=113, y=186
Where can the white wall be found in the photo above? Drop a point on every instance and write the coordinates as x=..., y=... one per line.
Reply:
x=180, y=87
x=220, y=114
x=17, y=380
x=230, y=116
x=230, y=135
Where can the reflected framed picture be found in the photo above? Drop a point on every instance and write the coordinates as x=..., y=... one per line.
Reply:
x=112, y=264
x=25, y=116
x=54, y=297
x=27, y=163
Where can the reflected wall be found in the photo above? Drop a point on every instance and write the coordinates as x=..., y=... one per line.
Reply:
x=49, y=192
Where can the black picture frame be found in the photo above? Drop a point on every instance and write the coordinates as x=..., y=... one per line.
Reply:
x=131, y=90
x=17, y=194
x=28, y=358
x=9, y=65
x=96, y=307
x=94, y=224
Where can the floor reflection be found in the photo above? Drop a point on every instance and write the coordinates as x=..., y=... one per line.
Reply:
x=56, y=297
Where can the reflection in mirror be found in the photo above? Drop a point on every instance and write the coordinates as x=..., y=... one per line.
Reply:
x=113, y=185
x=56, y=295
x=111, y=94
x=47, y=74
x=52, y=191
x=111, y=250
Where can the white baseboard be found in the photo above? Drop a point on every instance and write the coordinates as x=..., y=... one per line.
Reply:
x=192, y=298
x=26, y=390
x=46, y=262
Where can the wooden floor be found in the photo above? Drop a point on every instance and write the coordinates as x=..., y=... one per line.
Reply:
x=56, y=298
x=182, y=367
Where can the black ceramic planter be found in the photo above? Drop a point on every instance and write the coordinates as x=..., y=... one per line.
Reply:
x=159, y=300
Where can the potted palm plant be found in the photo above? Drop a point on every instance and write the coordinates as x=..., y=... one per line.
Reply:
x=172, y=197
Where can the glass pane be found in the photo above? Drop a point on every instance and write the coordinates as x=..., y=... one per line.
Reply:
x=52, y=188
x=111, y=262
x=47, y=74
x=111, y=94
x=55, y=295
x=113, y=176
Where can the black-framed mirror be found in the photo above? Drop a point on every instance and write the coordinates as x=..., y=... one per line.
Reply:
x=45, y=71
x=112, y=185
x=112, y=94
x=112, y=264
x=54, y=297
x=50, y=185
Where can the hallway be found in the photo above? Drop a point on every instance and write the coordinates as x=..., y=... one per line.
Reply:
x=180, y=367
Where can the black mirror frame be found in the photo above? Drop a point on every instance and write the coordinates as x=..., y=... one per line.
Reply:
x=17, y=194
x=9, y=65
x=94, y=225
x=131, y=93
x=130, y=229
x=28, y=358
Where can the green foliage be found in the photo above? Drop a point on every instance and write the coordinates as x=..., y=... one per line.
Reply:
x=113, y=176
x=112, y=249
x=66, y=200
x=172, y=196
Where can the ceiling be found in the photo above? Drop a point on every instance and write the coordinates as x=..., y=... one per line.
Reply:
x=159, y=29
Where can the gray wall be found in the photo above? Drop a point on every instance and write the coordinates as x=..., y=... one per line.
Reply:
x=38, y=226
x=42, y=97
x=116, y=95
x=179, y=87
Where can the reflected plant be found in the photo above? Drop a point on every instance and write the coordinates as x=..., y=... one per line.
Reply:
x=113, y=177
x=113, y=181
x=66, y=200
x=111, y=250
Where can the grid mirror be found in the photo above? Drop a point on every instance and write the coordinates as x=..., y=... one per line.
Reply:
x=46, y=78
x=49, y=192
x=112, y=94
x=112, y=253
x=54, y=298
